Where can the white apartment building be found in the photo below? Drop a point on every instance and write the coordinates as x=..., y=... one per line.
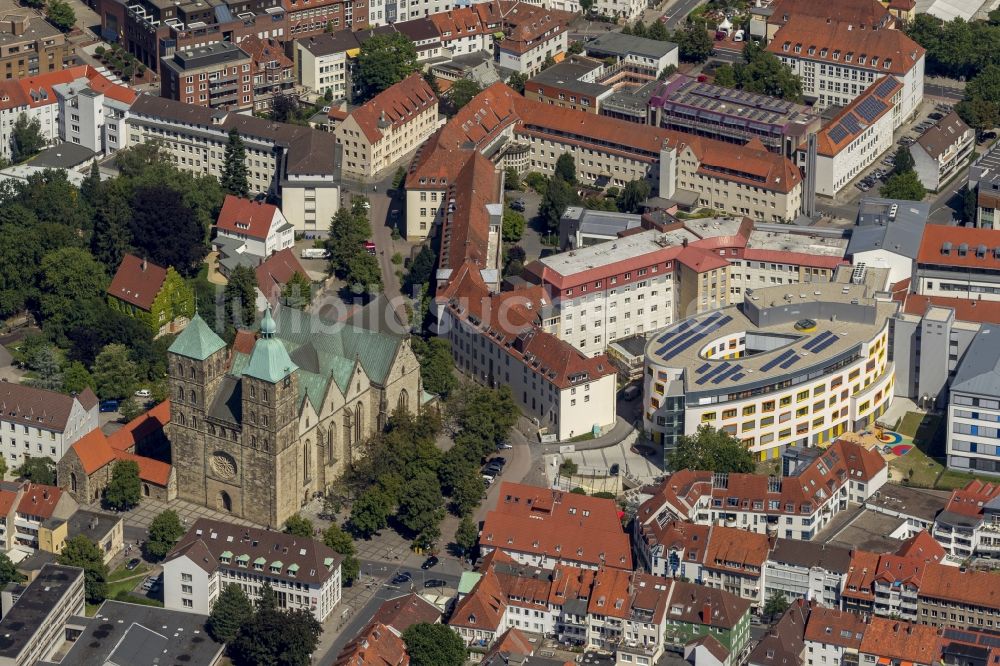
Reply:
x=839, y=58
x=973, y=442
x=806, y=570
x=377, y=135
x=41, y=423
x=321, y=63
x=304, y=574
x=792, y=366
x=76, y=105
x=942, y=151
x=857, y=136
x=297, y=163
x=253, y=228
x=959, y=262
x=35, y=617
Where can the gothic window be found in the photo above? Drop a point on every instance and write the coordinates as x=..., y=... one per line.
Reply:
x=211, y=429
x=263, y=420
x=404, y=401
x=232, y=434
x=194, y=421
x=223, y=465
x=253, y=391
x=253, y=441
x=181, y=420
x=192, y=373
x=253, y=417
x=264, y=394
x=145, y=490
x=307, y=462
x=330, y=436
x=359, y=431
x=194, y=397
x=180, y=392
x=72, y=481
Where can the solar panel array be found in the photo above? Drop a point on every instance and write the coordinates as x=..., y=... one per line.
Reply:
x=680, y=329
x=823, y=345
x=986, y=638
x=850, y=121
x=784, y=356
x=885, y=87
x=816, y=340
x=789, y=362
x=697, y=332
x=714, y=371
x=838, y=134
x=870, y=109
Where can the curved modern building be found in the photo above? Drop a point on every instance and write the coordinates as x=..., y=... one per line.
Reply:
x=792, y=365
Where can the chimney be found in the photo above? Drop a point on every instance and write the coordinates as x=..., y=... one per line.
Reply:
x=18, y=24
x=706, y=612
x=144, y=264
x=45, y=495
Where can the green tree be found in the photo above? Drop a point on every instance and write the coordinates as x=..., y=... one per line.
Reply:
x=511, y=179
x=235, y=176
x=461, y=93
x=566, y=168
x=399, y=178
x=114, y=372
x=903, y=161
x=285, y=109
x=763, y=72
x=712, y=450
x=568, y=468
x=633, y=195
x=384, y=60
x=26, y=138
x=164, y=532
x=3, y=474
x=90, y=188
x=240, y=296
x=904, y=186
x=725, y=76
x=370, y=512
x=276, y=638
x=229, y=612
x=41, y=470
x=170, y=226
x=694, y=42
x=467, y=492
x=969, y=206
x=297, y=292
x=80, y=551
x=299, y=526
x=112, y=216
x=658, y=30
x=517, y=81
x=130, y=409
x=71, y=284
x=124, y=489
x=467, y=537
x=421, y=269
x=980, y=106
x=61, y=15
x=420, y=507
x=364, y=275
x=341, y=542
x=559, y=195
x=776, y=605
x=513, y=225
x=45, y=366
x=586, y=6
x=437, y=366
x=8, y=571
x=349, y=229
x=434, y=645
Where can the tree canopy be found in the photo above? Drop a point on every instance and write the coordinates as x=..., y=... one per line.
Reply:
x=234, y=178
x=299, y=526
x=273, y=637
x=26, y=138
x=437, y=366
x=434, y=645
x=80, y=551
x=124, y=489
x=761, y=72
x=461, y=93
x=230, y=611
x=905, y=185
x=164, y=532
x=383, y=61
x=40, y=470
x=712, y=450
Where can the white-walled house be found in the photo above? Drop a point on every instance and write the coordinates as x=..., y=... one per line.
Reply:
x=41, y=423
x=942, y=151
x=304, y=574
x=250, y=231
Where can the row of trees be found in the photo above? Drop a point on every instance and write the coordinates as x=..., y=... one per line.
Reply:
x=405, y=476
x=693, y=40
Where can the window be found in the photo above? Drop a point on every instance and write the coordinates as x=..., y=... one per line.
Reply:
x=188, y=603
x=186, y=577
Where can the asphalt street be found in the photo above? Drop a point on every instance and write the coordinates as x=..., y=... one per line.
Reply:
x=678, y=11
x=945, y=92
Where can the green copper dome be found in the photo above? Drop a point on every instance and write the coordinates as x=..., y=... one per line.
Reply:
x=197, y=340
x=269, y=360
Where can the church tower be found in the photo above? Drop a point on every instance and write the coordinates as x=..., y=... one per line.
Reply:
x=196, y=364
x=272, y=467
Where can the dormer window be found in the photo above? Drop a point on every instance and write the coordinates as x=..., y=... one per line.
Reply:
x=812, y=50
x=887, y=63
x=798, y=48
x=822, y=53
x=874, y=61
x=836, y=54
x=849, y=56
x=786, y=46
x=862, y=58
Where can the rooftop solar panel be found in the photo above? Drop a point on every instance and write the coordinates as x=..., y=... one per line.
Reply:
x=958, y=635
x=695, y=330
x=684, y=326
x=870, y=108
x=775, y=361
x=823, y=345
x=790, y=362
x=714, y=371
x=885, y=87
x=703, y=368
x=738, y=376
x=727, y=374
x=850, y=122
x=817, y=340
x=990, y=641
x=838, y=134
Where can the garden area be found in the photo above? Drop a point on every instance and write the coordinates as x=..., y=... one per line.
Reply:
x=123, y=64
x=923, y=466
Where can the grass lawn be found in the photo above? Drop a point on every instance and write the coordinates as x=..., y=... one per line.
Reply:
x=927, y=458
x=909, y=424
x=121, y=572
x=925, y=469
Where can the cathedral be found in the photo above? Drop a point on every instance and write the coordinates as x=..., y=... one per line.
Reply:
x=257, y=429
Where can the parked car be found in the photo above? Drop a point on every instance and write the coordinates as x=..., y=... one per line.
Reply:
x=401, y=577
x=632, y=392
x=518, y=205
x=144, y=393
x=133, y=563
x=504, y=446
x=370, y=248
x=429, y=563
x=436, y=582
x=490, y=473
x=109, y=406
x=315, y=253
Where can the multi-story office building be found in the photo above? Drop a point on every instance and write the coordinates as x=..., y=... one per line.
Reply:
x=974, y=406
x=322, y=65
x=531, y=35
x=299, y=164
x=387, y=128
x=961, y=262
x=887, y=234
x=838, y=57
x=40, y=423
x=856, y=136
x=809, y=571
x=791, y=365
x=30, y=46
x=684, y=104
x=942, y=151
x=35, y=617
x=984, y=178
x=304, y=574
x=217, y=75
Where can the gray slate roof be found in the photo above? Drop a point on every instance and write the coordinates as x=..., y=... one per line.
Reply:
x=979, y=371
x=875, y=231
x=618, y=44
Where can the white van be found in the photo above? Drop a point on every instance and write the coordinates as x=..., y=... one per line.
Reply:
x=739, y=36
x=315, y=253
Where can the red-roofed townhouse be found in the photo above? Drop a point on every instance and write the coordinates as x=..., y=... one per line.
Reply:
x=36, y=504
x=376, y=645
x=248, y=232
x=156, y=296
x=86, y=469
x=273, y=274
x=273, y=72
x=734, y=562
x=969, y=526
x=959, y=262
x=387, y=128
x=532, y=34
x=895, y=642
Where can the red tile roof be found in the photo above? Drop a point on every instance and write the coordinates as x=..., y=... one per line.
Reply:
x=39, y=500
x=246, y=217
x=737, y=551
x=860, y=580
x=975, y=588
x=274, y=273
x=395, y=106
x=376, y=645
x=483, y=607
x=26, y=91
x=922, y=546
x=146, y=425
x=402, y=612
x=836, y=135
x=870, y=12
x=827, y=37
x=7, y=499
x=934, y=251
x=560, y=525
x=966, y=309
x=265, y=51
x=95, y=450
x=969, y=501
x=137, y=281
x=836, y=627
x=903, y=641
